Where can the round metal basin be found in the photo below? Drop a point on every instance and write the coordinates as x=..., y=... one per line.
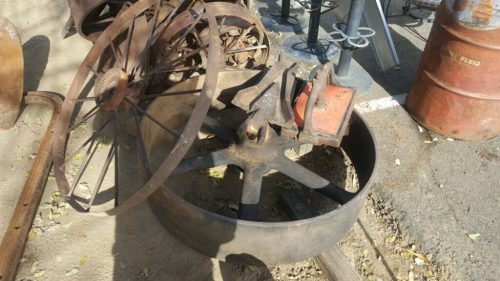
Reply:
x=269, y=243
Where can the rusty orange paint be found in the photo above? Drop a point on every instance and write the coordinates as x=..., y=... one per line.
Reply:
x=11, y=73
x=483, y=12
x=457, y=87
x=330, y=119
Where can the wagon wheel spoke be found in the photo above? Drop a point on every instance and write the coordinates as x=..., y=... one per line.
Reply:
x=163, y=25
x=102, y=174
x=92, y=112
x=250, y=194
x=312, y=180
x=246, y=49
x=92, y=138
x=127, y=45
x=221, y=23
x=142, y=149
x=145, y=113
x=116, y=133
x=240, y=38
x=188, y=55
x=169, y=93
x=83, y=167
x=144, y=56
x=85, y=99
x=181, y=39
x=198, y=40
x=118, y=57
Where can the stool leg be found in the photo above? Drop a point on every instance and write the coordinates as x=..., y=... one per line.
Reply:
x=355, y=13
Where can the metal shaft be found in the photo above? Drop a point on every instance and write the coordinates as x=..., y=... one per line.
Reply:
x=314, y=17
x=285, y=8
x=355, y=13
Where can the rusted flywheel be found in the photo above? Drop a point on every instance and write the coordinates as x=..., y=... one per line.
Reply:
x=244, y=169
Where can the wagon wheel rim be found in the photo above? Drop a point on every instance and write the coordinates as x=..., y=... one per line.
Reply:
x=117, y=100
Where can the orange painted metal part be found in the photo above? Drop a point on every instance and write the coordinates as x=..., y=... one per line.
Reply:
x=11, y=74
x=330, y=119
x=457, y=87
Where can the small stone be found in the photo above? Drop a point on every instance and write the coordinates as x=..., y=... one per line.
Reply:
x=72, y=271
x=145, y=272
x=419, y=261
x=411, y=276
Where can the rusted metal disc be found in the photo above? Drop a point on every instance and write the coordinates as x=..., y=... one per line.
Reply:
x=11, y=73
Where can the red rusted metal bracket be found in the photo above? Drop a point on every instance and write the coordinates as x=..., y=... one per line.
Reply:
x=323, y=110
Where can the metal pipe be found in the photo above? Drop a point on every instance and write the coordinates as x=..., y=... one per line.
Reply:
x=285, y=9
x=355, y=13
x=314, y=17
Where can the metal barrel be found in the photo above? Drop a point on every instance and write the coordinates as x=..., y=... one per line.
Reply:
x=457, y=87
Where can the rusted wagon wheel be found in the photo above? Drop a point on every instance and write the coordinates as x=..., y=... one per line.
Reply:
x=118, y=62
x=182, y=47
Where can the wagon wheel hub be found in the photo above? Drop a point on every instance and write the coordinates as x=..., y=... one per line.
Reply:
x=111, y=89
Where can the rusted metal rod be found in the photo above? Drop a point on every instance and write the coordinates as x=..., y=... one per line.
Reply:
x=16, y=235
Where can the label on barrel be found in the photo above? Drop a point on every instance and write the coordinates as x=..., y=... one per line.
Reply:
x=460, y=58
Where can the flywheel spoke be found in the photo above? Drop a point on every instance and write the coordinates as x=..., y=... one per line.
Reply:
x=250, y=194
x=312, y=180
x=204, y=161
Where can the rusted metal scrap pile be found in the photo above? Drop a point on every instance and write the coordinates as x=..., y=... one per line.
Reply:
x=164, y=70
x=169, y=73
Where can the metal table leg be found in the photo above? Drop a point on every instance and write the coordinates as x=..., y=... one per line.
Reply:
x=309, y=47
x=352, y=75
x=353, y=21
